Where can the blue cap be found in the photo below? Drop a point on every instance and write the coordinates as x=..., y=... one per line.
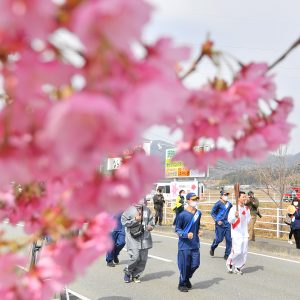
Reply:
x=191, y=196
x=224, y=192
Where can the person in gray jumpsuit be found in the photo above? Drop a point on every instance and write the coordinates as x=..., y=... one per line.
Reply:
x=137, y=247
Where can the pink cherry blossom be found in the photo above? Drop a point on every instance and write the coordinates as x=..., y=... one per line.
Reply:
x=266, y=137
x=258, y=83
x=110, y=22
x=165, y=56
x=17, y=79
x=171, y=97
x=201, y=160
x=31, y=18
x=126, y=186
x=62, y=140
x=98, y=123
x=8, y=263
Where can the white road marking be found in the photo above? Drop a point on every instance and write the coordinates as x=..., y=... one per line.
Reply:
x=253, y=253
x=160, y=258
x=274, y=257
x=155, y=257
x=77, y=295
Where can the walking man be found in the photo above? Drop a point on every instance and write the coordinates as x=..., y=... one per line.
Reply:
x=158, y=201
x=118, y=238
x=220, y=213
x=187, y=228
x=239, y=220
x=254, y=212
x=138, y=222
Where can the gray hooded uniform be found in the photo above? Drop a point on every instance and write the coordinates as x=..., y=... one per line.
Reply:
x=137, y=248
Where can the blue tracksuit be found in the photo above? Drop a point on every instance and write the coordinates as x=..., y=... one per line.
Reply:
x=220, y=212
x=188, y=249
x=118, y=238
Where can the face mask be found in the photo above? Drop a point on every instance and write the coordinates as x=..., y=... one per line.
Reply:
x=295, y=203
x=193, y=204
x=225, y=198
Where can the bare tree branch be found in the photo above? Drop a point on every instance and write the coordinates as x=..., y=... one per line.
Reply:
x=285, y=54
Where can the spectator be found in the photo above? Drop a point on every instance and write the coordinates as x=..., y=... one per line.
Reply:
x=288, y=221
x=253, y=204
x=179, y=205
x=295, y=225
x=158, y=201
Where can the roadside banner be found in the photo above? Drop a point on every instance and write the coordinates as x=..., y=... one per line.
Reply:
x=175, y=169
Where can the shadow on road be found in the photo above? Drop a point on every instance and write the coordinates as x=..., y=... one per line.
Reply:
x=208, y=283
x=253, y=269
x=114, y=298
x=157, y=275
x=217, y=257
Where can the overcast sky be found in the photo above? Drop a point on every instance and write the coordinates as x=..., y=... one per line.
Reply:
x=253, y=30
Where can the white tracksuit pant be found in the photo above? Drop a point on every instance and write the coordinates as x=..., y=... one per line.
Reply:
x=238, y=253
x=239, y=235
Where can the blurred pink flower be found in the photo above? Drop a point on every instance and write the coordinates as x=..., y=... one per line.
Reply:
x=106, y=23
x=126, y=186
x=165, y=56
x=200, y=160
x=31, y=18
x=84, y=128
x=8, y=266
x=157, y=100
x=253, y=83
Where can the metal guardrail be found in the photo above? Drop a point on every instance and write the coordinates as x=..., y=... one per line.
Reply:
x=279, y=215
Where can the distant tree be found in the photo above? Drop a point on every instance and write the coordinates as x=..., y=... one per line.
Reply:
x=276, y=177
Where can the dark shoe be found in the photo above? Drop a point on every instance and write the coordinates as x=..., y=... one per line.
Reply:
x=127, y=278
x=116, y=260
x=229, y=267
x=188, y=284
x=110, y=264
x=211, y=252
x=183, y=288
x=238, y=271
x=225, y=257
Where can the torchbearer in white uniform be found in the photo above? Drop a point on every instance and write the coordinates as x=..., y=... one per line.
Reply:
x=239, y=220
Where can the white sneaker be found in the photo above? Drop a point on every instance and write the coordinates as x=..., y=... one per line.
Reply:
x=290, y=242
x=238, y=271
x=229, y=267
x=137, y=279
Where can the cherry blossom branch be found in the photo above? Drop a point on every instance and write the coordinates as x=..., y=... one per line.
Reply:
x=206, y=50
x=285, y=54
x=193, y=67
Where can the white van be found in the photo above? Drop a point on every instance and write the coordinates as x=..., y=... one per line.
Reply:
x=171, y=189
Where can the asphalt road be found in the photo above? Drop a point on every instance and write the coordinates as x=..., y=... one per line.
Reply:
x=264, y=277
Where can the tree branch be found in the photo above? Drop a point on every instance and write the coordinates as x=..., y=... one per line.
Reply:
x=193, y=67
x=285, y=54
